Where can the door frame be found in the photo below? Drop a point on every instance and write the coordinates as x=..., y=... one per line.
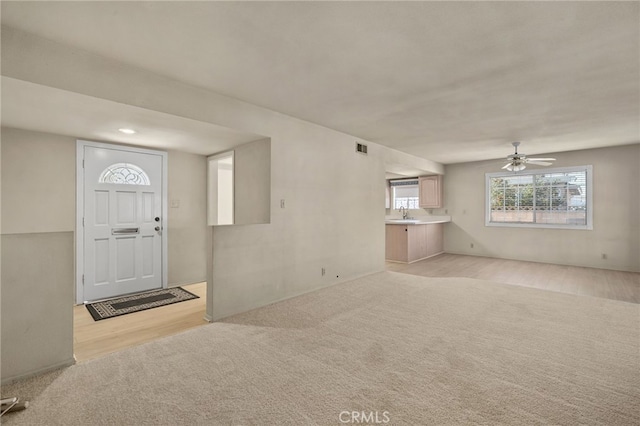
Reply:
x=80, y=145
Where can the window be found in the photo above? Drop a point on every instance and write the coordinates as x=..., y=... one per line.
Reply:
x=124, y=173
x=405, y=193
x=557, y=198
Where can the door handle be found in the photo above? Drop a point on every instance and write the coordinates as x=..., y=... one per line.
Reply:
x=157, y=228
x=124, y=231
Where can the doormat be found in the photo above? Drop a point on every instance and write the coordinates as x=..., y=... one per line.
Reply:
x=138, y=302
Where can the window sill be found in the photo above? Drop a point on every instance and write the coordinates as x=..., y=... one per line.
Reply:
x=539, y=225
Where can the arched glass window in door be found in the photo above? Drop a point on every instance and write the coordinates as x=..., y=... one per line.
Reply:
x=124, y=173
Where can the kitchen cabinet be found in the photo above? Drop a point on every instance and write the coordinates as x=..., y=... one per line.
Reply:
x=430, y=189
x=410, y=243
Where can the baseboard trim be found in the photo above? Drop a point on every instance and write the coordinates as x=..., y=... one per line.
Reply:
x=520, y=259
x=416, y=260
x=67, y=363
x=340, y=281
x=180, y=284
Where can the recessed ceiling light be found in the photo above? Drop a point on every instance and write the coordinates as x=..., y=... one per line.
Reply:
x=127, y=131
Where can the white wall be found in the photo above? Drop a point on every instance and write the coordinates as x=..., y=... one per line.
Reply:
x=38, y=182
x=225, y=194
x=616, y=215
x=187, y=222
x=37, y=286
x=252, y=174
x=37, y=301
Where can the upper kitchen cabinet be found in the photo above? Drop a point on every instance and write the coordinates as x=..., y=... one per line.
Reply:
x=430, y=192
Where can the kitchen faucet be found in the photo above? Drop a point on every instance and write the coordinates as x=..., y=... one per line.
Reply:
x=403, y=210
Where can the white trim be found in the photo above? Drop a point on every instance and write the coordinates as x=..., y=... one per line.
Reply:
x=80, y=145
x=165, y=217
x=417, y=260
x=589, y=184
x=38, y=371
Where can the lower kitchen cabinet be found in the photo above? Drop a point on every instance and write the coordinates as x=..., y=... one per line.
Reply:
x=410, y=243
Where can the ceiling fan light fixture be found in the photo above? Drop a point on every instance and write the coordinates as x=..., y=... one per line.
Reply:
x=516, y=167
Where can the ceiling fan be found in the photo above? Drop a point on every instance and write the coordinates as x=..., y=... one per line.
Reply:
x=517, y=162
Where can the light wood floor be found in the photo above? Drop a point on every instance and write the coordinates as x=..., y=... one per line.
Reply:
x=93, y=339
x=604, y=283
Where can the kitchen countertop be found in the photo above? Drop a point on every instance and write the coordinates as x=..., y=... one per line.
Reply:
x=421, y=221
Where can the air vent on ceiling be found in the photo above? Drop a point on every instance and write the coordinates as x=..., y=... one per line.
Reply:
x=361, y=148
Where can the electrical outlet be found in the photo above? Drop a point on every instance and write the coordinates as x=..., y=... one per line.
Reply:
x=323, y=271
x=471, y=245
x=604, y=256
x=282, y=203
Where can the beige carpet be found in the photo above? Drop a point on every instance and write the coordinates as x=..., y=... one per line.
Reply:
x=431, y=351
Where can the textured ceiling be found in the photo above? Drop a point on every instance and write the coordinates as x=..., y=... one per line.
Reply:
x=36, y=107
x=447, y=81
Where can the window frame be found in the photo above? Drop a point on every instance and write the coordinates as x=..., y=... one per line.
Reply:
x=589, y=198
x=109, y=171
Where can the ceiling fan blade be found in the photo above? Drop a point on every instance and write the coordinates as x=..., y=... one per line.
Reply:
x=517, y=161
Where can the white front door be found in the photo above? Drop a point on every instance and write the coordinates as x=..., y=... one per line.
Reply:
x=123, y=221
